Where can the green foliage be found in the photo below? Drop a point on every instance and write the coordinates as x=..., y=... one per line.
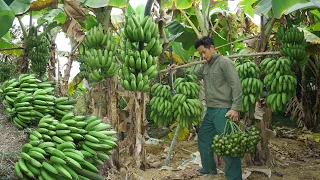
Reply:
x=6, y=18
x=7, y=70
x=247, y=6
x=54, y=15
x=179, y=4
x=20, y=6
x=280, y=7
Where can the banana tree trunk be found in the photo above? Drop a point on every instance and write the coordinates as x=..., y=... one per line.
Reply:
x=263, y=154
x=52, y=58
x=23, y=61
x=112, y=114
x=65, y=79
x=68, y=67
x=139, y=129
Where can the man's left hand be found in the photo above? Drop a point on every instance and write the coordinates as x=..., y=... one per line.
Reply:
x=233, y=115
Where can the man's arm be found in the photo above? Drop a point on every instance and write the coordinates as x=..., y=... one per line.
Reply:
x=198, y=71
x=233, y=79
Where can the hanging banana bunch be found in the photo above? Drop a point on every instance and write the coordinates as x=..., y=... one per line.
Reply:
x=161, y=105
x=280, y=82
x=38, y=51
x=139, y=63
x=98, y=61
x=252, y=86
x=293, y=44
x=187, y=107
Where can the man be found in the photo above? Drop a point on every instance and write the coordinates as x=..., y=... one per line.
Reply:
x=223, y=93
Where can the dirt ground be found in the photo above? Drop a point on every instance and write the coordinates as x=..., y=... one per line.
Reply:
x=11, y=141
x=293, y=159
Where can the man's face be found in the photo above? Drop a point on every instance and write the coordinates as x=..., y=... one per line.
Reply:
x=206, y=53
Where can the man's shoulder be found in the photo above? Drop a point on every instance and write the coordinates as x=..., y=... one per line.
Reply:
x=224, y=60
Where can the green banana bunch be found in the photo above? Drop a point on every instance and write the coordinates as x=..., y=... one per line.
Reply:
x=8, y=92
x=281, y=32
x=187, y=106
x=62, y=106
x=132, y=82
x=97, y=61
x=190, y=89
x=279, y=81
x=247, y=68
x=144, y=30
x=102, y=64
x=187, y=111
x=141, y=62
x=24, y=85
x=252, y=86
x=7, y=70
x=96, y=38
x=127, y=47
x=294, y=51
x=38, y=52
x=235, y=142
x=137, y=70
x=140, y=30
x=161, y=105
x=28, y=99
x=24, y=112
x=293, y=44
x=291, y=34
x=67, y=149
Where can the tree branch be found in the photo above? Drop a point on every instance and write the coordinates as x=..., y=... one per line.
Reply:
x=215, y=25
x=231, y=56
x=192, y=25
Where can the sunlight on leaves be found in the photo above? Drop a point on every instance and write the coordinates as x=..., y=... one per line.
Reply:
x=247, y=6
x=280, y=7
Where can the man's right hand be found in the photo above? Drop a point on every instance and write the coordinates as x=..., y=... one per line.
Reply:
x=172, y=66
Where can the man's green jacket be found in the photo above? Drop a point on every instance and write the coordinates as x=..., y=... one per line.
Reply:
x=222, y=85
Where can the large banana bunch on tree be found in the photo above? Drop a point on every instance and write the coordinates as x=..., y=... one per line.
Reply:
x=161, y=105
x=293, y=44
x=98, y=60
x=280, y=82
x=252, y=86
x=140, y=47
x=38, y=51
x=187, y=107
x=184, y=106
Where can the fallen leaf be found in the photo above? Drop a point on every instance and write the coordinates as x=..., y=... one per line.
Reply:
x=246, y=174
x=313, y=136
x=167, y=168
x=266, y=171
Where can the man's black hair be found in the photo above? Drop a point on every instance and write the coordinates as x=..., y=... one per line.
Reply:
x=205, y=41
